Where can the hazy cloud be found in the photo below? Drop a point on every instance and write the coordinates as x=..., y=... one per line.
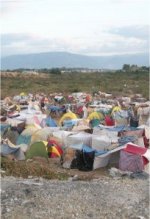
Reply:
x=8, y=39
x=107, y=44
x=90, y=27
x=141, y=32
x=100, y=44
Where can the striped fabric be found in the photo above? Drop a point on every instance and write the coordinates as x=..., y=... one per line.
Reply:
x=133, y=158
x=130, y=162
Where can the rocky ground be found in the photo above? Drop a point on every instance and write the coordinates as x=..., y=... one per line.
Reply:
x=106, y=197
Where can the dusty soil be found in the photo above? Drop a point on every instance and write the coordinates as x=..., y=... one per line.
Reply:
x=52, y=199
x=76, y=195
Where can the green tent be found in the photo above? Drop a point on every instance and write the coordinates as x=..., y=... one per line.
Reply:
x=37, y=149
x=94, y=122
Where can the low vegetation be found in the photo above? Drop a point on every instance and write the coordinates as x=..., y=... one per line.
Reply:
x=117, y=83
x=26, y=169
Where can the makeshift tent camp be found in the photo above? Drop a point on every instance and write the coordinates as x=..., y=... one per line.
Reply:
x=3, y=128
x=144, y=114
x=109, y=121
x=115, y=109
x=95, y=115
x=25, y=136
x=79, y=138
x=121, y=117
x=69, y=116
x=133, y=158
x=7, y=148
x=95, y=118
x=130, y=162
x=70, y=123
x=16, y=123
x=37, y=149
x=43, y=134
x=94, y=123
x=79, y=128
x=147, y=132
x=22, y=94
x=61, y=135
x=83, y=160
x=48, y=122
x=102, y=142
x=12, y=134
x=54, y=149
x=103, y=160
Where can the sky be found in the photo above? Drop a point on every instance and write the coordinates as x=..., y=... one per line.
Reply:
x=88, y=27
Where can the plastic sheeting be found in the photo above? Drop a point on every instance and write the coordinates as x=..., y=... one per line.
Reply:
x=62, y=136
x=3, y=128
x=16, y=151
x=102, y=160
x=48, y=122
x=23, y=139
x=101, y=142
x=95, y=115
x=130, y=162
x=68, y=116
x=147, y=132
x=79, y=138
x=43, y=134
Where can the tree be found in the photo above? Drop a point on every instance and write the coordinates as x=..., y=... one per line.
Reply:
x=145, y=68
x=126, y=67
x=55, y=71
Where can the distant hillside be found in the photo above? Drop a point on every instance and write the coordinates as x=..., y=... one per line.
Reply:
x=69, y=60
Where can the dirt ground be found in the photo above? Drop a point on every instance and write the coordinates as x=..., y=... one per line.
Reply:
x=47, y=168
x=70, y=194
x=103, y=198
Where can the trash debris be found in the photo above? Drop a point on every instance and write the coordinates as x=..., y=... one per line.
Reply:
x=116, y=173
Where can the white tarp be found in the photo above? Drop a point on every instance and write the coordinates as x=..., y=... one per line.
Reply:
x=79, y=138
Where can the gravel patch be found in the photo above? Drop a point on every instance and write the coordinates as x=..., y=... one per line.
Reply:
x=101, y=198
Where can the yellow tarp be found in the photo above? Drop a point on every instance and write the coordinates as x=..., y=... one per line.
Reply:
x=95, y=115
x=22, y=94
x=68, y=115
x=115, y=109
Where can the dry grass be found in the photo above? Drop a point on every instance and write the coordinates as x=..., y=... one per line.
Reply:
x=51, y=169
x=136, y=82
x=32, y=168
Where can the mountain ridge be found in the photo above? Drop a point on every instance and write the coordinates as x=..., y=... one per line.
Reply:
x=71, y=60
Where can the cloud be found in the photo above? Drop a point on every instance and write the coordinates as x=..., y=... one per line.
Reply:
x=116, y=47
x=128, y=1
x=9, y=6
x=140, y=32
x=8, y=39
x=32, y=43
x=104, y=43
